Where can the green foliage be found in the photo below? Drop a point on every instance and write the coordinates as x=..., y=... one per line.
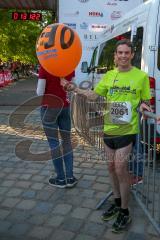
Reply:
x=18, y=38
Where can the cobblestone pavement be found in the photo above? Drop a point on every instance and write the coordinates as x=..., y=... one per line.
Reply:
x=30, y=208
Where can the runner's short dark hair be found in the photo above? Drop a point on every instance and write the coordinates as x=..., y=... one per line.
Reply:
x=126, y=42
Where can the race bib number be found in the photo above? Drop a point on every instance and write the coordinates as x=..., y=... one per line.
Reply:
x=120, y=112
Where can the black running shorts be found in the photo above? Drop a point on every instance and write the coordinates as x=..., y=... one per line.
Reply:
x=116, y=142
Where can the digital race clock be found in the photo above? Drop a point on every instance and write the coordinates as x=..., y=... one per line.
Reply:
x=33, y=16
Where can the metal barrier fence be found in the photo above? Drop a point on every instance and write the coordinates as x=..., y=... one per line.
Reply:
x=148, y=193
x=87, y=119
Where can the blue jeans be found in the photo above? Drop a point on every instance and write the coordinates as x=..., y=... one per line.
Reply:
x=56, y=122
x=136, y=165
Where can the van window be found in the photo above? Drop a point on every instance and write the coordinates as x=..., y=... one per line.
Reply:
x=137, y=42
x=93, y=59
x=106, y=57
x=158, y=59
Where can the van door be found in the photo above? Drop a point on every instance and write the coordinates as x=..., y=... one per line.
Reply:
x=157, y=68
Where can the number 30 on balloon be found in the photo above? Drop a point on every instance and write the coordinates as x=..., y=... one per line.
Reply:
x=59, y=49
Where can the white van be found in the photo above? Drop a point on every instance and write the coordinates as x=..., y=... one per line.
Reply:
x=142, y=27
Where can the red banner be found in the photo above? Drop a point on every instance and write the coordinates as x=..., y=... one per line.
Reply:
x=5, y=77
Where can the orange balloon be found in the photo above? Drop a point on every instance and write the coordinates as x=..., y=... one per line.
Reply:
x=59, y=49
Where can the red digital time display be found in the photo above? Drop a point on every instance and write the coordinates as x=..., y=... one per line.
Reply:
x=32, y=16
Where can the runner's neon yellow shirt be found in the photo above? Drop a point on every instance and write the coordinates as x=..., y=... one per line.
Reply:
x=128, y=88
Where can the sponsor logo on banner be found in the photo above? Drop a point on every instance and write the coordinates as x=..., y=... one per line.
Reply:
x=95, y=14
x=115, y=15
x=109, y=29
x=83, y=1
x=114, y=2
x=98, y=27
x=71, y=25
x=71, y=14
x=109, y=3
x=90, y=37
x=89, y=48
x=83, y=25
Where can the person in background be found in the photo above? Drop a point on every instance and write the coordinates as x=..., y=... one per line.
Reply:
x=158, y=120
x=55, y=116
x=14, y=70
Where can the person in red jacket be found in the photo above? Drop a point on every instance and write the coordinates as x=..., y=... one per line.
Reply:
x=55, y=116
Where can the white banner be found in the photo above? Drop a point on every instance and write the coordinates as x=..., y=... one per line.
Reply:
x=89, y=18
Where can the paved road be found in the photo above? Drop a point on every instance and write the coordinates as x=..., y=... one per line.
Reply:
x=18, y=92
x=30, y=209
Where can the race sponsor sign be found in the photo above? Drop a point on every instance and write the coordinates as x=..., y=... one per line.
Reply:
x=90, y=18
